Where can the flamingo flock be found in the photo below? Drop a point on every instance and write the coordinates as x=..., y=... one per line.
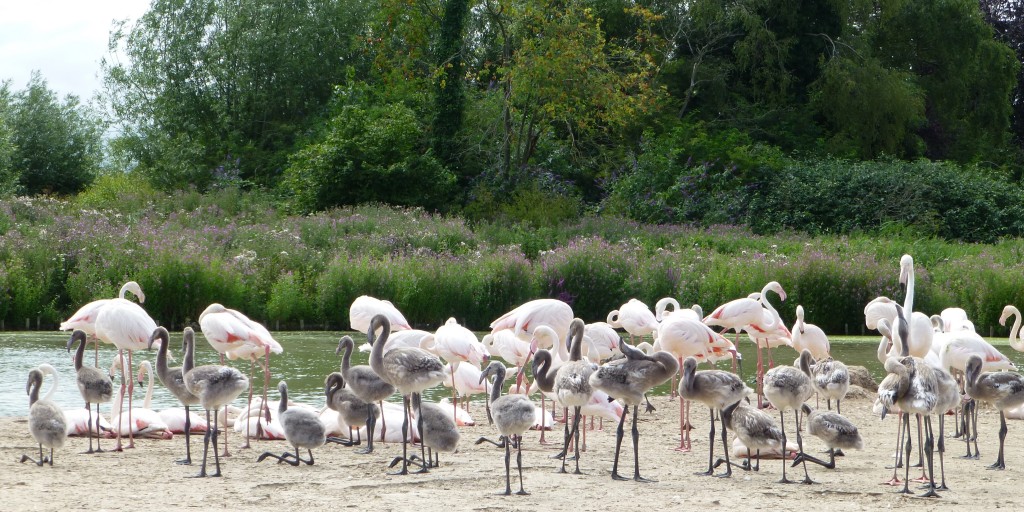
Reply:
x=933, y=364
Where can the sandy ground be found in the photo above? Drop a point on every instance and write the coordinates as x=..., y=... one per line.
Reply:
x=471, y=479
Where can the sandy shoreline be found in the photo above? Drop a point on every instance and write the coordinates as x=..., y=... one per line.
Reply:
x=470, y=479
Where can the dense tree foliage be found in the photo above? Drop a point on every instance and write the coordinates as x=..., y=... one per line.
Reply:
x=47, y=145
x=215, y=85
x=660, y=110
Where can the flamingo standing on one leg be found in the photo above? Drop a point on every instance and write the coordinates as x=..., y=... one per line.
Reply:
x=456, y=344
x=749, y=315
x=233, y=334
x=683, y=337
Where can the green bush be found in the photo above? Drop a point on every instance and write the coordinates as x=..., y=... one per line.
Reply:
x=932, y=199
x=691, y=175
x=289, y=300
x=121, y=192
x=369, y=155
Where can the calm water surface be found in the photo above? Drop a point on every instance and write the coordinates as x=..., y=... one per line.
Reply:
x=308, y=357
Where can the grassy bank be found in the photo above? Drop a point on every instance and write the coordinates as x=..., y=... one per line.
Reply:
x=188, y=250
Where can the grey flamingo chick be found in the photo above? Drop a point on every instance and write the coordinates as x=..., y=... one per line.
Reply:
x=437, y=430
x=835, y=430
x=302, y=429
x=831, y=379
x=513, y=415
x=351, y=409
x=629, y=380
x=715, y=389
x=216, y=386
x=755, y=429
x=573, y=387
x=1004, y=390
x=46, y=420
x=174, y=380
x=94, y=385
x=368, y=385
x=410, y=370
x=787, y=387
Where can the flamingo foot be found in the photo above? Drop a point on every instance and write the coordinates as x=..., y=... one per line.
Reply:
x=894, y=481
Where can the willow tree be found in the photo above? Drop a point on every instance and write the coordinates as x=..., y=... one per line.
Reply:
x=218, y=86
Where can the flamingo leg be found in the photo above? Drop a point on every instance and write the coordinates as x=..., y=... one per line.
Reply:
x=131, y=391
x=942, y=451
x=455, y=396
x=543, y=417
x=206, y=444
x=636, y=450
x=929, y=444
x=88, y=426
x=711, y=446
x=188, y=445
x=782, y=426
x=248, y=408
x=1000, y=463
x=618, y=445
x=906, y=459
x=405, y=439
x=800, y=446
x=895, y=480
x=725, y=444
x=371, y=423
x=519, y=463
x=682, y=426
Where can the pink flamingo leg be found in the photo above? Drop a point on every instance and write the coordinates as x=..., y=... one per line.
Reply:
x=248, y=407
x=120, y=405
x=455, y=397
x=131, y=390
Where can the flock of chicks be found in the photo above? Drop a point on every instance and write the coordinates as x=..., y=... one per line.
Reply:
x=561, y=370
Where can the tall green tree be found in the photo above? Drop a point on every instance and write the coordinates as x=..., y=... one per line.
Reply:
x=56, y=145
x=8, y=177
x=966, y=75
x=1006, y=17
x=450, y=95
x=218, y=86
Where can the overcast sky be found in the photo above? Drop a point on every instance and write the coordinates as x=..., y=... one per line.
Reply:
x=63, y=39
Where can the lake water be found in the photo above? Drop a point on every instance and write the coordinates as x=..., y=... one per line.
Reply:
x=308, y=357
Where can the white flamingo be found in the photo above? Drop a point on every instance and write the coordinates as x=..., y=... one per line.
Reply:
x=128, y=327
x=85, y=318
x=364, y=308
x=234, y=335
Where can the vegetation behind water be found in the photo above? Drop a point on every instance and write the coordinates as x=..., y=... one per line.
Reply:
x=188, y=250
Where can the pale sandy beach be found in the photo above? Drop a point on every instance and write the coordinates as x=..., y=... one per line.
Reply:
x=147, y=478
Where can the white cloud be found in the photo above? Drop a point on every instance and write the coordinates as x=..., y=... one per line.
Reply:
x=63, y=39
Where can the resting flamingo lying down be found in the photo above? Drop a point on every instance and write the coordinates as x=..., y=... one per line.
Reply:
x=462, y=417
x=174, y=418
x=391, y=412
x=739, y=450
x=77, y=421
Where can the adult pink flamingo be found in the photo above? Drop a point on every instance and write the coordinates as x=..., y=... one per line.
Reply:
x=233, y=334
x=128, y=327
x=749, y=315
x=810, y=337
x=635, y=317
x=456, y=344
x=85, y=318
x=364, y=308
x=683, y=337
x=524, y=320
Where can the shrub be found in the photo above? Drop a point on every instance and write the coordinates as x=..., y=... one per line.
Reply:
x=933, y=199
x=367, y=155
